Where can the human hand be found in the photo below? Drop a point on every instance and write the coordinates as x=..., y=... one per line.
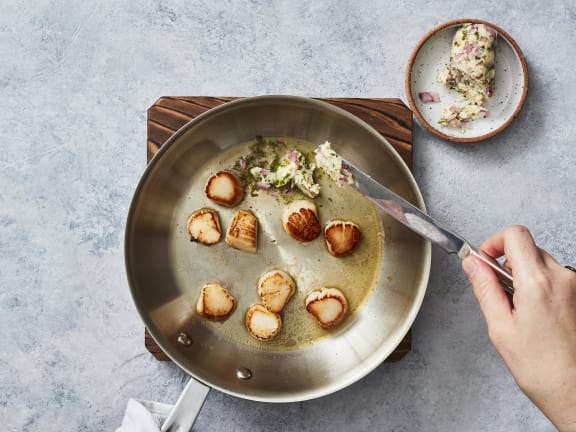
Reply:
x=535, y=330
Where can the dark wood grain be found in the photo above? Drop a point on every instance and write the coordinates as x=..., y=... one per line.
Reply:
x=390, y=117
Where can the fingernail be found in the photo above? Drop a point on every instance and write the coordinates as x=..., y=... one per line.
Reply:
x=469, y=265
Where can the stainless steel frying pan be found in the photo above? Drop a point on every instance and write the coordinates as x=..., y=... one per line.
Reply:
x=165, y=270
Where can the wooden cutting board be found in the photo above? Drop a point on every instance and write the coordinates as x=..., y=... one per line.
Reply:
x=390, y=117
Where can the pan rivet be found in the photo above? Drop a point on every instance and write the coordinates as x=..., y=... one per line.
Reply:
x=184, y=339
x=243, y=373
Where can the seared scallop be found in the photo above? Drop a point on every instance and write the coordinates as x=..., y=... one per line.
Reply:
x=215, y=302
x=262, y=323
x=225, y=188
x=275, y=289
x=204, y=226
x=243, y=231
x=327, y=305
x=342, y=237
x=300, y=220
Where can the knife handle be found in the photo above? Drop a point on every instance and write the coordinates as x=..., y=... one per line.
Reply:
x=503, y=274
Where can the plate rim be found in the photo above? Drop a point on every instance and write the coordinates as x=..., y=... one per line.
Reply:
x=410, y=66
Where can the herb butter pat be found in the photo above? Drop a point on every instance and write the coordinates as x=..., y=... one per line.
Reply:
x=471, y=72
x=333, y=165
x=276, y=166
x=292, y=167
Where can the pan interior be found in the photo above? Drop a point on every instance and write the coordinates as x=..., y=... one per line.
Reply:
x=165, y=270
x=309, y=263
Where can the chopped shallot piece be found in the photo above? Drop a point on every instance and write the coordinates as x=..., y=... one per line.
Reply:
x=429, y=97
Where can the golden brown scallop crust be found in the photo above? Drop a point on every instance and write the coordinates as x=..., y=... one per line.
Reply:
x=204, y=226
x=225, y=188
x=262, y=323
x=242, y=232
x=300, y=220
x=215, y=302
x=275, y=288
x=327, y=305
x=342, y=237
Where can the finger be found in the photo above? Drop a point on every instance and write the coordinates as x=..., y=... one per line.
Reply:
x=493, y=301
x=517, y=244
x=548, y=259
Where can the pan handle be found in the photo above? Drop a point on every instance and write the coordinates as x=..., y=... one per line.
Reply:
x=187, y=408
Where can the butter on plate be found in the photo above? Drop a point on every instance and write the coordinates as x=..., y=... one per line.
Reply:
x=471, y=72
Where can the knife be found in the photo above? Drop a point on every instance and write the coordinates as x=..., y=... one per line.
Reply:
x=422, y=224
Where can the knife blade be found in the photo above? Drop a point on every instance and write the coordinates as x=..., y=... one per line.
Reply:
x=424, y=225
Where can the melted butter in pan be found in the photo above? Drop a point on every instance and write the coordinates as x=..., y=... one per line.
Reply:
x=309, y=264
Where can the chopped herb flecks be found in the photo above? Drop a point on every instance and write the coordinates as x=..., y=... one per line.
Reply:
x=271, y=165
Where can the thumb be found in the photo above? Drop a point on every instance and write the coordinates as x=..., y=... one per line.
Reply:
x=493, y=300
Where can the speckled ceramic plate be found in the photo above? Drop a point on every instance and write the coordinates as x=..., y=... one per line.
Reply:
x=432, y=55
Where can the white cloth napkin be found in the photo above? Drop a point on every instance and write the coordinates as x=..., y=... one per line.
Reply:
x=144, y=416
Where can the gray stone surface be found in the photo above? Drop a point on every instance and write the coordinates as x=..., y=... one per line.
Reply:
x=76, y=79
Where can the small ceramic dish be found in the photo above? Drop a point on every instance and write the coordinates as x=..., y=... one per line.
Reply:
x=432, y=55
